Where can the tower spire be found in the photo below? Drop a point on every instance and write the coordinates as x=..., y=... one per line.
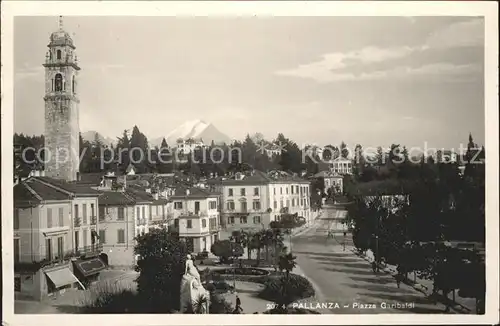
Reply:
x=60, y=23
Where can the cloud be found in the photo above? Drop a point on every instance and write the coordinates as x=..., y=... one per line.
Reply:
x=461, y=34
x=358, y=65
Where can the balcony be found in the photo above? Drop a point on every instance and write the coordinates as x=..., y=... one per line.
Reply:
x=194, y=214
x=214, y=228
x=89, y=251
x=77, y=222
x=29, y=263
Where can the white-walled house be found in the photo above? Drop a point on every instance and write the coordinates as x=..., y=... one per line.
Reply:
x=254, y=200
x=196, y=217
x=55, y=236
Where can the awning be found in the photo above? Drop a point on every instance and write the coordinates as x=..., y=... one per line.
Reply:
x=61, y=277
x=90, y=266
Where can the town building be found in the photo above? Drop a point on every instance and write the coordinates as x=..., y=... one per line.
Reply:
x=255, y=199
x=196, y=217
x=124, y=214
x=332, y=181
x=186, y=146
x=56, y=242
x=341, y=165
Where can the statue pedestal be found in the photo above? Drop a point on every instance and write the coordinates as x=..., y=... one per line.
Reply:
x=192, y=292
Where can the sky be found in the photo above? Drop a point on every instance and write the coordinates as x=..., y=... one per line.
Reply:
x=414, y=81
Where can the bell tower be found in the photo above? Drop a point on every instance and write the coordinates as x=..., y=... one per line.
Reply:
x=62, y=129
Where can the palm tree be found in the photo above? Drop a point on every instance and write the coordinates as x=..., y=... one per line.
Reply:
x=287, y=263
x=242, y=238
x=268, y=237
x=257, y=242
x=200, y=305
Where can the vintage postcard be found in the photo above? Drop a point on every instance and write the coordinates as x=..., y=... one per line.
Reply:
x=251, y=162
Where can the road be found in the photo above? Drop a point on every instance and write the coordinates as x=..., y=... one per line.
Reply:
x=341, y=277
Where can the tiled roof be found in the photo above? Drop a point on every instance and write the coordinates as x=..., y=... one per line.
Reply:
x=139, y=196
x=161, y=201
x=91, y=178
x=76, y=188
x=115, y=198
x=180, y=192
x=32, y=192
x=326, y=174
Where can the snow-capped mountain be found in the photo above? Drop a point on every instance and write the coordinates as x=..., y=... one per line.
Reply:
x=91, y=135
x=194, y=129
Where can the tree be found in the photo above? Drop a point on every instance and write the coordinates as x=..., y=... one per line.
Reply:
x=242, y=238
x=344, y=151
x=225, y=249
x=161, y=264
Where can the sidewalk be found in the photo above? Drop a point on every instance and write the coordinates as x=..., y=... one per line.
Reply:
x=460, y=305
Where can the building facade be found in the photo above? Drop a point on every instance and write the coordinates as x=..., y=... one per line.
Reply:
x=196, y=217
x=341, y=166
x=55, y=236
x=254, y=201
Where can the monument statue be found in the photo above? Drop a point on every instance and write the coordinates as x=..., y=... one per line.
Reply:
x=192, y=290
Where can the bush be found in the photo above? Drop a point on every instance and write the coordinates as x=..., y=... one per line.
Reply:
x=225, y=249
x=284, y=291
x=109, y=298
x=219, y=305
x=242, y=271
x=219, y=287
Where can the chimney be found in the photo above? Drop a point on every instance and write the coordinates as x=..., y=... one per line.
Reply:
x=187, y=192
x=156, y=196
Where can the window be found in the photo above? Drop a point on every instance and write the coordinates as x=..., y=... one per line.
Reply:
x=256, y=220
x=76, y=211
x=293, y=202
x=16, y=219
x=213, y=205
x=256, y=205
x=288, y=203
x=60, y=247
x=281, y=204
x=17, y=243
x=151, y=212
x=286, y=190
x=176, y=223
x=291, y=189
x=143, y=212
x=48, y=249
x=77, y=240
x=156, y=210
x=61, y=216
x=101, y=213
x=243, y=220
x=121, y=236
x=92, y=210
x=255, y=191
x=231, y=220
x=102, y=236
x=49, y=218
x=243, y=206
x=243, y=191
x=230, y=192
x=189, y=224
x=230, y=205
x=121, y=213
x=59, y=54
x=178, y=205
x=84, y=214
x=275, y=204
x=281, y=191
x=296, y=189
x=203, y=223
x=274, y=191
x=138, y=213
x=73, y=85
x=85, y=235
x=58, y=83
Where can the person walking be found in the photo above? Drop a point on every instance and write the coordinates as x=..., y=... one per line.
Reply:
x=238, y=309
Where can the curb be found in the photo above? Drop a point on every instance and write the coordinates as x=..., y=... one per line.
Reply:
x=416, y=286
